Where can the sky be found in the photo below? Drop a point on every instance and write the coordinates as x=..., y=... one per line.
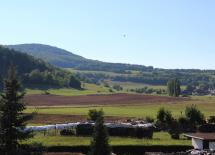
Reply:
x=160, y=33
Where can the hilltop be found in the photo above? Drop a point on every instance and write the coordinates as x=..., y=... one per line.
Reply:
x=66, y=59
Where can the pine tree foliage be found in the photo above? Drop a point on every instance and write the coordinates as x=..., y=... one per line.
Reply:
x=100, y=143
x=12, y=118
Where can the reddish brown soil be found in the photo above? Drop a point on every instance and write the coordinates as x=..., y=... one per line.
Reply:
x=54, y=119
x=113, y=99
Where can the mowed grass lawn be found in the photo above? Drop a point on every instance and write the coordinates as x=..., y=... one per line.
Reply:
x=205, y=104
x=159, y=138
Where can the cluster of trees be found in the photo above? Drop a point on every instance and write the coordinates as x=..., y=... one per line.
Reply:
x=52, y=78
x=188, y=123
x=116, y=87
x=34, y=71
x=147, y=90
x=174, y=87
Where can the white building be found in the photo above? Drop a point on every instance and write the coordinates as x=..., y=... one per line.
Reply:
x=202, y=141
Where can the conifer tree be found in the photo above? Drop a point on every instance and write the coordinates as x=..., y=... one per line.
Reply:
x=12, y=118
x=100, y=143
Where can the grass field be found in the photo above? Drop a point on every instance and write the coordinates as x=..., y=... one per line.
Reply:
x=133, y=85
x=87, y=89
x=159, y=138
x=205, y=104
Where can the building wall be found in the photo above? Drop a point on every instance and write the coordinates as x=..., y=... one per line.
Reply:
x=197, y=143
x=212, y=145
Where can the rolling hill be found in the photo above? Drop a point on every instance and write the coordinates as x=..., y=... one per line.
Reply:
x=33, y=71
x=97, y=71
x=65, y=59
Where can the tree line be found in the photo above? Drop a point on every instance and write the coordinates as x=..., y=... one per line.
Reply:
x=34, y=71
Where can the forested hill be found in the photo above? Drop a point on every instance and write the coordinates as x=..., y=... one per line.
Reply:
x=66, y=59
x=128, y=72
x=33, y=71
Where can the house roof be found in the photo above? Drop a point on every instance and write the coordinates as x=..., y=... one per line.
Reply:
x=202, y=136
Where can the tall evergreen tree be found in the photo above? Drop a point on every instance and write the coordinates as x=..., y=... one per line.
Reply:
x=174, y=87
x=12, y=118
x=100, y=143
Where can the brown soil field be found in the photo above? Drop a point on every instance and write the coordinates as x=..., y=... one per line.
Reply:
x=55, y=119
x=111, y=99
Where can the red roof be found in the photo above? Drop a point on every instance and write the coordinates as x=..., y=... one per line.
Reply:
x=202, y=136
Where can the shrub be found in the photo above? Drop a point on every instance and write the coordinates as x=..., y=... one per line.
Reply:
x=111, y=91
x=164, y=118
x=117, y=87
x=46, y=92
x=194, y=115
x=94, y=114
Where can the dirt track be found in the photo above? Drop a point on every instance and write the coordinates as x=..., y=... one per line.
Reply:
x=113, y=99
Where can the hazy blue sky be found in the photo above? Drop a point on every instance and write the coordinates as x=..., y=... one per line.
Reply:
x=161, y=33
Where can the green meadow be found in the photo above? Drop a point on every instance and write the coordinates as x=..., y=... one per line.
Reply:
x=159, y=138
x=87, y=89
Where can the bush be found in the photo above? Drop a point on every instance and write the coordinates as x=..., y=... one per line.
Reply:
x=194, y=115
x=94, y=114
x=111, y=91
x=46, y=92
x=117, y=87
x=164, y=118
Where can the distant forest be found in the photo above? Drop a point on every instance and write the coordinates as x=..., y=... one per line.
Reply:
x=34, y=71
x=95, y=70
